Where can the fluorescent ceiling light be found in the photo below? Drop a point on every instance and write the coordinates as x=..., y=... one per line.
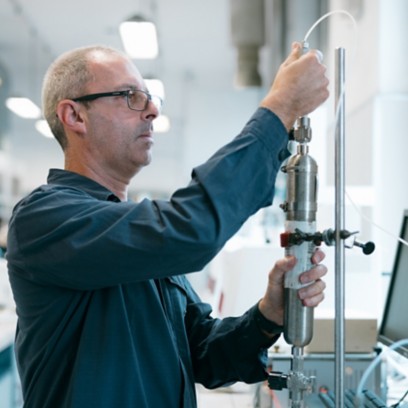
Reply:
x=155, y=87
x=139, y=38
x=42, y=127
x=23, y=107
x=161, y=124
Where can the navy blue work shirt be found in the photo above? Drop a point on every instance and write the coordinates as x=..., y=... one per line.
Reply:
x=106, y=317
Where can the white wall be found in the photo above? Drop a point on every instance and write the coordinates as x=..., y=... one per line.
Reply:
x=376, y=106
x=390, y=139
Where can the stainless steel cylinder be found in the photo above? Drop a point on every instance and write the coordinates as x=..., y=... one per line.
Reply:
x=300, y=207
x=301, y=193
x=298, y=326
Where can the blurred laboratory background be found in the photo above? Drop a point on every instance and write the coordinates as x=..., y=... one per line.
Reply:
x=214, y=62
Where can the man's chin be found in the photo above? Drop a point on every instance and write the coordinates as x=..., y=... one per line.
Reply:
x=148, y=159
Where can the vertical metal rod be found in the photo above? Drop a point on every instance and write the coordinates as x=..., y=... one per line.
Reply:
x=339, y=222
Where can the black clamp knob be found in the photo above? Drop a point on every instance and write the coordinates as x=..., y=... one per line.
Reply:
x=367, y=248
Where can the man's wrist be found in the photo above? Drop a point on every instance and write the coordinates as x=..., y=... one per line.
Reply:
x=286, y=117
x=265, y=325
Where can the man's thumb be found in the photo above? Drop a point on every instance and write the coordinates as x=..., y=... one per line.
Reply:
x=294, y=54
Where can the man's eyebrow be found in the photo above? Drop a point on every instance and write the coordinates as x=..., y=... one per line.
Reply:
x=132, y=87
x=126, y=86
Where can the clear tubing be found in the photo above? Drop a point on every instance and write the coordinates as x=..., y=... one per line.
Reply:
x=309, y=32
x=352, y=19
x=358, y=399
x=327, y=15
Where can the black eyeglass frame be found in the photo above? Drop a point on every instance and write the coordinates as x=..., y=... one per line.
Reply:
x=92, y=97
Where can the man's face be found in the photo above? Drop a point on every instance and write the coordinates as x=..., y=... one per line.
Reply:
x=119, y=138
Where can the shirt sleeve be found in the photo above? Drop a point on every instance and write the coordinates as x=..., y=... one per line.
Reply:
x=64, y=236
x=226, y=350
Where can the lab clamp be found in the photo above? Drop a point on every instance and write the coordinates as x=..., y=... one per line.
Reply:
x=301, y=239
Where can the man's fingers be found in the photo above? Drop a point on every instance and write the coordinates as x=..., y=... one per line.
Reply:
x=295, y=53
x=280, y=268
x=313, y=301
x=313, y=274
x=319, y=55
x=318, y=256
x=313, y=294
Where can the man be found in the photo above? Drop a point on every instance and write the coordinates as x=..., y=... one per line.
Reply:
x=106, y=317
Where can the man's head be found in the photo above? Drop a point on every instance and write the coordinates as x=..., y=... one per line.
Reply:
x=98, y=107
x=66, y=78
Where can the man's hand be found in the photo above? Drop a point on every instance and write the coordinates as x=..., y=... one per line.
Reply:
x=300, y=86
x=272, y=304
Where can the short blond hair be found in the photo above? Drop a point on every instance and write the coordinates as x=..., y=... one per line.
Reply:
x=66, y=78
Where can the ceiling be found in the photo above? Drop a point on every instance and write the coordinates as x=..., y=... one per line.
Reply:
x=197, y=62
x=194, y=47
x=33, y=33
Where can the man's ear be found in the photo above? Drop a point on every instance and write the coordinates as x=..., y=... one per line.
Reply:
x=71, y=116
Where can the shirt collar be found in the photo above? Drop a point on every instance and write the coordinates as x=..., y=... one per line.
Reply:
x=75, y=180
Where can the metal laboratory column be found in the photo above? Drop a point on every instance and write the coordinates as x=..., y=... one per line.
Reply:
x=339, y=226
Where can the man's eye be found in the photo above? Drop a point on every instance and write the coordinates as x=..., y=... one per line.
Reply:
x=137, y=96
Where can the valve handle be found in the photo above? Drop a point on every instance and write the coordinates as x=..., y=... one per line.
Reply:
x=367, y=248
x=297, y=237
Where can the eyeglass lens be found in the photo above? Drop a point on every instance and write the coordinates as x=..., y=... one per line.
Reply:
x=138, y=100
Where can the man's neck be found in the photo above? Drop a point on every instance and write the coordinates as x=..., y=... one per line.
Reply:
x=119, y=187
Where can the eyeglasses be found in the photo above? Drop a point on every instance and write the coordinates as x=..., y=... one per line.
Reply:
x=136, y=100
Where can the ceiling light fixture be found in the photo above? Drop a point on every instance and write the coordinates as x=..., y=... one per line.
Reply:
x=23, y=107
x=139, y=38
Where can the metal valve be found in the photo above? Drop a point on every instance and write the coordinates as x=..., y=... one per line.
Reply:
x=327, y=236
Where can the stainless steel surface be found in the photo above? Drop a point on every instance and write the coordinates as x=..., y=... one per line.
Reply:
x=301, y=186
x=299, y=320
x=339, y=226
x=299, y=384
x=320, y=366
x=301, y=209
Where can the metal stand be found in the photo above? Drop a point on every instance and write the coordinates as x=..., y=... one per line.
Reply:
x=339, y=226
x=300, y=238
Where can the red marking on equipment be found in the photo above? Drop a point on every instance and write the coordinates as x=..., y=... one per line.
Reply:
x=284, y=239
